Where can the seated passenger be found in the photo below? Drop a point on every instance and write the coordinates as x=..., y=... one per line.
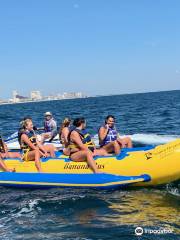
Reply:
x=32, y=149
x=64, y=131
x=50, y=127
x=81, y=145
x=21, y=129
x=109, y=138
x=5, y=154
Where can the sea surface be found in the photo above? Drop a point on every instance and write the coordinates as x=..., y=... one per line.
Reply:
x=151, y=118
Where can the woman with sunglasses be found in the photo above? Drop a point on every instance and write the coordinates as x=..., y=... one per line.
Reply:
x=109, y=138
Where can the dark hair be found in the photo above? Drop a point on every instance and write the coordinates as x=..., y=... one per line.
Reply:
x=78, y=121
x=109, y=116
x=27, y=117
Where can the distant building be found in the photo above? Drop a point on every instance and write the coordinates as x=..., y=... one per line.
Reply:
x=79, y=95
x=73, y=95
x=14, y=93
x=17, y=98
x=14, y=98
x=36, y=95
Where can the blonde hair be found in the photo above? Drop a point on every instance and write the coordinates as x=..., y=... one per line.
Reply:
x=25, y=123
x=65, y=123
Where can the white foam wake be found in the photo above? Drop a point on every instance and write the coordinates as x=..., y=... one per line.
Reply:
x=153, y=139
x=173, y=189
x=149, y=139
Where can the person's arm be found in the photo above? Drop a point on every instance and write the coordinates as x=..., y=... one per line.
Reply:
x=118, y=137
x=103, y=132
x=76, y=139
x=54, y=126
x=5, y=147
x=54, y=130
x=41, y=148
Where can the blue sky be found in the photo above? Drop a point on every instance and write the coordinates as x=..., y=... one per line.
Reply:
x=93, y=46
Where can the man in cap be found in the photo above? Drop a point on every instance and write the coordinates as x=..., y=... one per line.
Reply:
x=50, y=127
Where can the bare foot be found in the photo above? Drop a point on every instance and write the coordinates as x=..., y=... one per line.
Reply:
x=11, y=170
x=98, y=171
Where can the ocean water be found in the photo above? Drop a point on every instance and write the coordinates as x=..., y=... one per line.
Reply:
x=151, y=118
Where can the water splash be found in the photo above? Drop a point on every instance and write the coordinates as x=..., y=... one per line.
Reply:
x=153, y=139
x=173, y=189
x=143, y=138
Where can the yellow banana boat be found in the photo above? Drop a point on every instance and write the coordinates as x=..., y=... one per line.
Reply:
x=145, y=166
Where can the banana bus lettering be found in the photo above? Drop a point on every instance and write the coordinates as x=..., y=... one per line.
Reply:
x=162, y=153
x=80, y=166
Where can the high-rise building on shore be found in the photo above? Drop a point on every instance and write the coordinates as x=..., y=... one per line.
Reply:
x=36, y=95
x=15, y=94
x=17, y=98
x=72, y=95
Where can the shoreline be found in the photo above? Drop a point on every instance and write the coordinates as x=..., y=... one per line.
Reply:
x=108, y=95
x=37, y=101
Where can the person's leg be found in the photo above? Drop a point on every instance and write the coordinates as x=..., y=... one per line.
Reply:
x=50, y=149
x=101, y=152
x=3, y=155
x=66, y=151
x=35, y=155
x=4, y=167
x=128, y=142
x=45, y=136
x=125, y=142
x=85, y=155
x=113, y=147
x=14, y=155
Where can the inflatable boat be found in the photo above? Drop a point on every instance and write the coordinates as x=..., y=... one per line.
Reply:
x=145, y=166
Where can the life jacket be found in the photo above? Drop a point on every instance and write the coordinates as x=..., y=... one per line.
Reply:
x=32, y=137
x=85, y=137
x=111, y=136
x=50, y=125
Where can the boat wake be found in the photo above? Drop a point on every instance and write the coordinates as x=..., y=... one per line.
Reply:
x=152, y=139
x=173, y=189
x=147, y=139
